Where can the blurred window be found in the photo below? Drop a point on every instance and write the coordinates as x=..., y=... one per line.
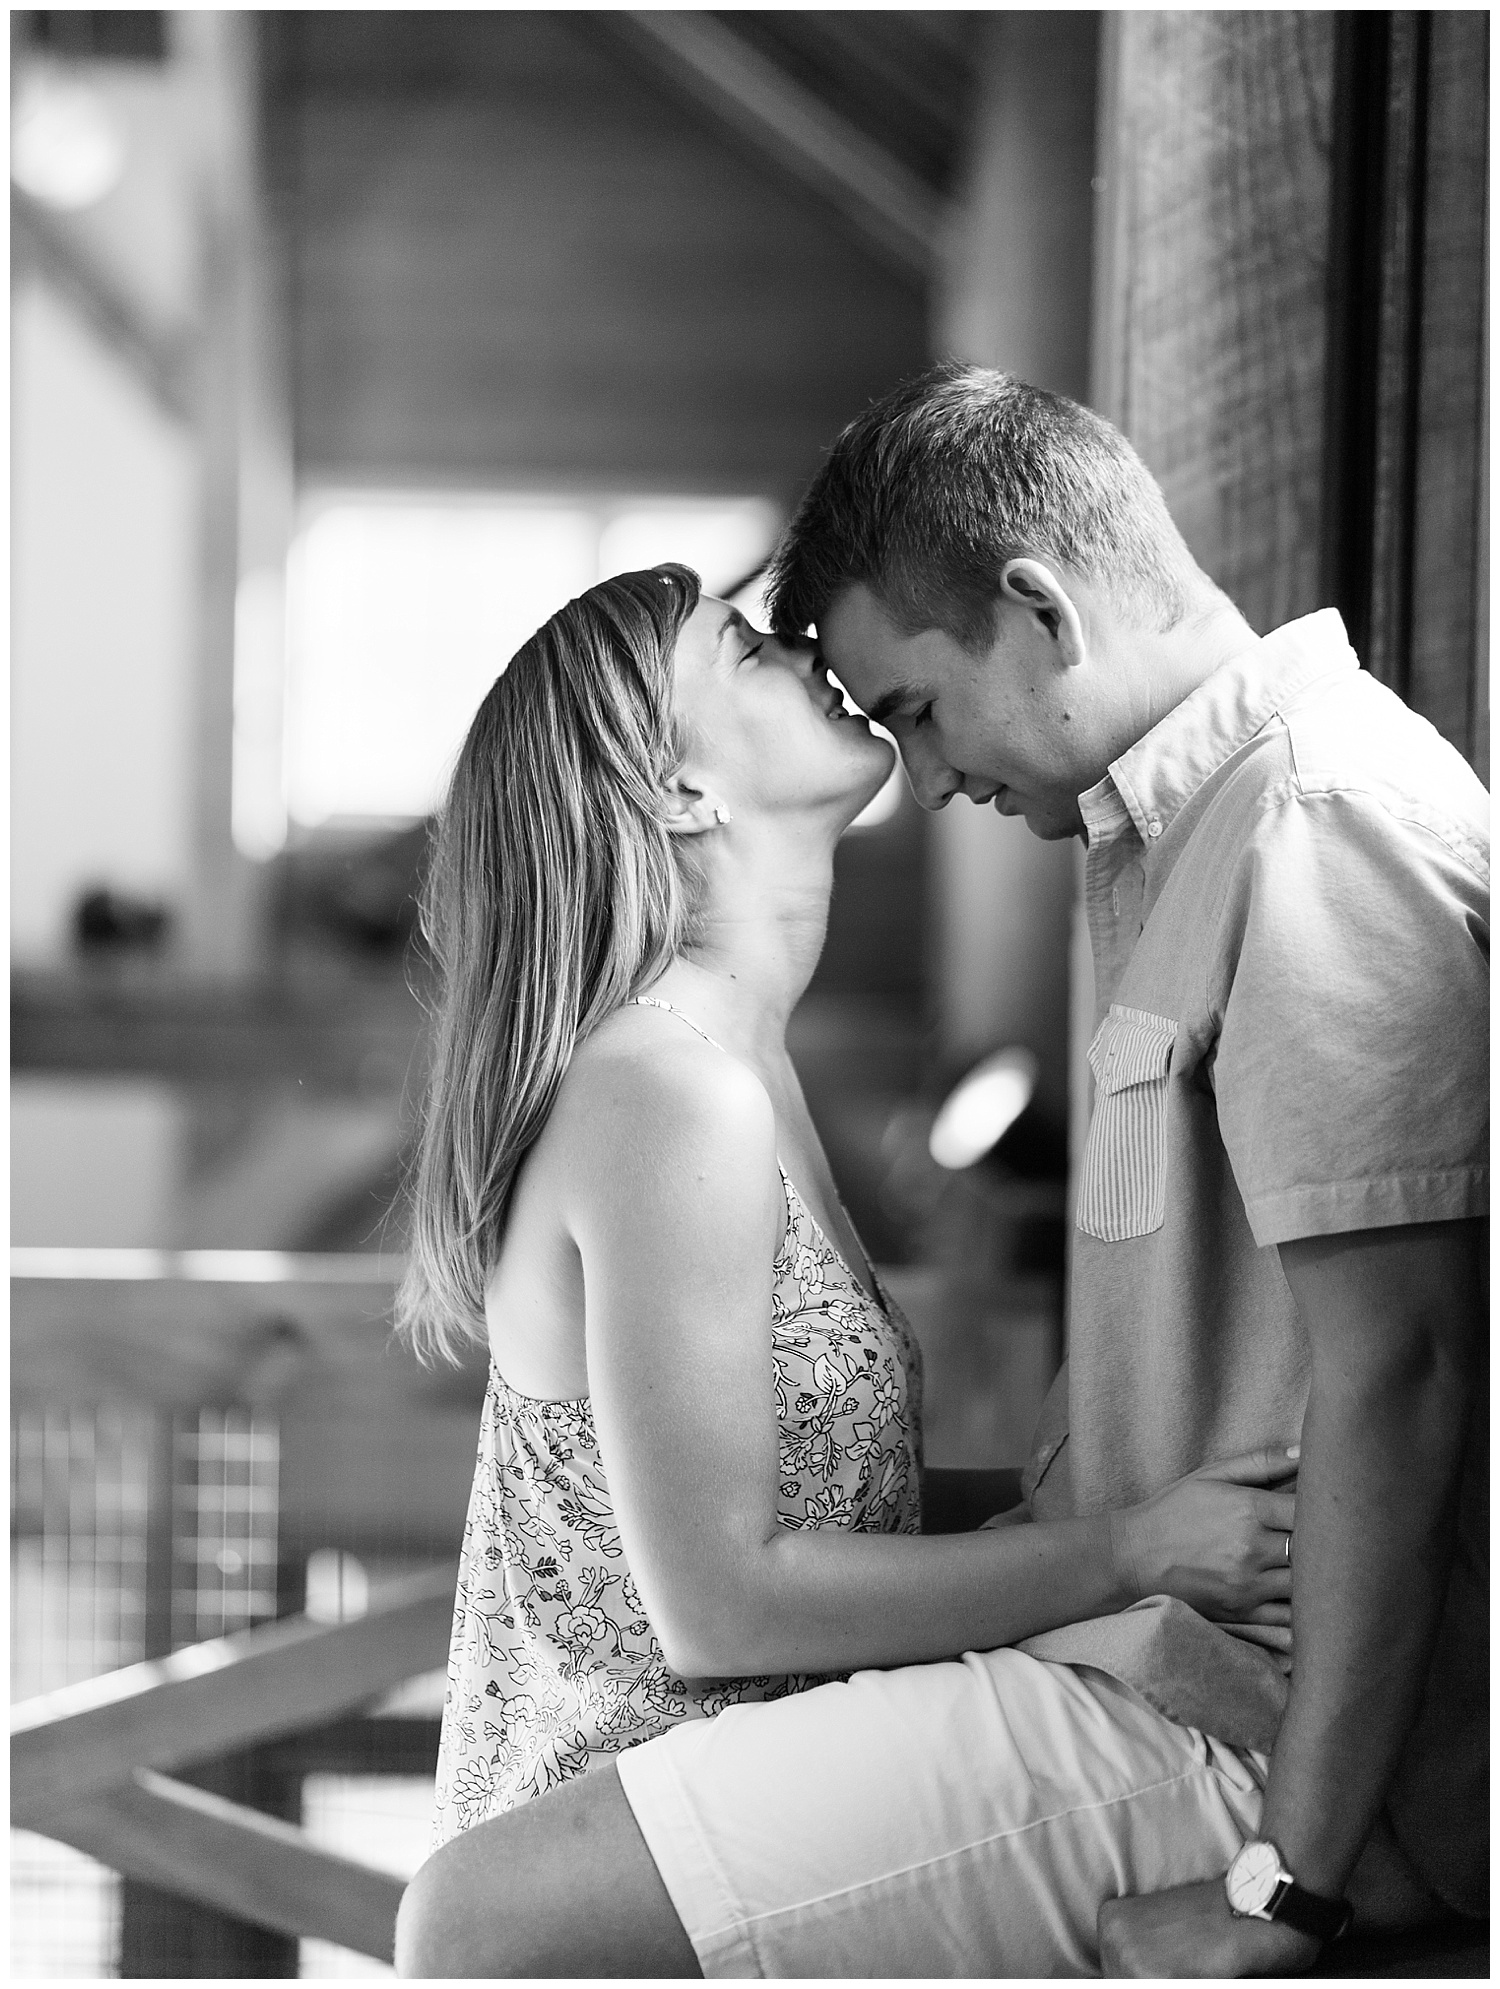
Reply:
x=400, y=610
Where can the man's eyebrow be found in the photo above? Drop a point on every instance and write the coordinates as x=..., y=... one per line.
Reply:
x=884, y=707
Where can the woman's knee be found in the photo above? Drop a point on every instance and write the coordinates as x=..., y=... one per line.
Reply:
x=563, y=1886
x=423, y=1928
x=453, y=1919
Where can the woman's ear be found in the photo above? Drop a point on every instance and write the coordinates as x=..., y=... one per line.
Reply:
x=1032, y=584
x=689, y=811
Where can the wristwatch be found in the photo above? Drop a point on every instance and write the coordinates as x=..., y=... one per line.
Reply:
x=1258, y=1886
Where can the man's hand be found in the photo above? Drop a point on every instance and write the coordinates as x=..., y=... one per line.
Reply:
x=1191, y=1931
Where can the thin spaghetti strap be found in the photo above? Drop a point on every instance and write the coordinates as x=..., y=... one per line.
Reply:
x=789, y=1187
x=655, y=1001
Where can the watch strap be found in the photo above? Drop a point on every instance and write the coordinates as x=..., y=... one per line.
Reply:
x=1310, y=1912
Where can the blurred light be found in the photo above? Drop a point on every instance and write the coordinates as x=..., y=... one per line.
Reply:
x=982, y=1107
x=338, y=1589
x=401, y=615
x=66, y=149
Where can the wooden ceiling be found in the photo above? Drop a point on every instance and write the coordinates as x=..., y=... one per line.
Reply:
x=557, y=246
x=905, y=79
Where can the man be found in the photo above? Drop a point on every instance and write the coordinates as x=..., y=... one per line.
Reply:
x=1279, y=1228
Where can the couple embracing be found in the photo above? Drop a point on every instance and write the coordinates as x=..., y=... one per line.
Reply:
x=1216, y=1685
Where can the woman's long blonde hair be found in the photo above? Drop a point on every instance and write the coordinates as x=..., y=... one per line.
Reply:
x=554, y=893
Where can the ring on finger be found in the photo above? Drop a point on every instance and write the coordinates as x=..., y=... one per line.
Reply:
x=1288, y=1547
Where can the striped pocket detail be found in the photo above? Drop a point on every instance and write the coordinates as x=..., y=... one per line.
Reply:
x=1123, y=1188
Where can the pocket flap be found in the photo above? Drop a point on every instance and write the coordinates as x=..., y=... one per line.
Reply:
x=1131, y=1046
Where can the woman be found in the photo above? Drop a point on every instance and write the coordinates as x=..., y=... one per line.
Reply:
x=699, y=1468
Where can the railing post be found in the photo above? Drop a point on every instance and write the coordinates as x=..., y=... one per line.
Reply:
x=165, y=1935
x=161, y=1933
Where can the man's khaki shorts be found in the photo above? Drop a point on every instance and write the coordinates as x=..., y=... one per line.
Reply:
x=966, y=1818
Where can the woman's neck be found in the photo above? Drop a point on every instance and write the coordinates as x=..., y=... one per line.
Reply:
x=759, y=934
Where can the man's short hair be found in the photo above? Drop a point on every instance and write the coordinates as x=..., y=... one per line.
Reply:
x=928, y=493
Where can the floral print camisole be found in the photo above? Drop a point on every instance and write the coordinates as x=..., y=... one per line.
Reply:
x=553, y=1662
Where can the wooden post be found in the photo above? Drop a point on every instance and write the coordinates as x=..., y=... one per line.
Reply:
x=245, y=443
x=1290, y=318
x=1016, y=296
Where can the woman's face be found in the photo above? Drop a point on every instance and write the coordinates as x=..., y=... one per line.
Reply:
x=768, y=732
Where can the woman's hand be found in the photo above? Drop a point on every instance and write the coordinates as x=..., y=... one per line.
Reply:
x=1218, y=1539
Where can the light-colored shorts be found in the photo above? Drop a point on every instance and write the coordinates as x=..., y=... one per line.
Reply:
x=966, y=1818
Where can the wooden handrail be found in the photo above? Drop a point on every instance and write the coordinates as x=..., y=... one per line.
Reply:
x=238, y=1267
x=169, y=1834
x=375, y=1447
x=180, y=1328
x=71, y=1744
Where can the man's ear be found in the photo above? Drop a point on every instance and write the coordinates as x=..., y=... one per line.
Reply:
x=688, y=811
x=1033, y=585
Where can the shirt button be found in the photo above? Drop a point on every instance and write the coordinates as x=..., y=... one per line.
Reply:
x=1153, y=826
x=1114, y=901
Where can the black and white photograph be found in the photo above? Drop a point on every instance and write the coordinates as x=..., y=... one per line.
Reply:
x=749, y=929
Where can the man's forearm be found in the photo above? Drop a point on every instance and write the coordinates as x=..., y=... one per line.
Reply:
x=1382, y=1460
x=1393, y=1318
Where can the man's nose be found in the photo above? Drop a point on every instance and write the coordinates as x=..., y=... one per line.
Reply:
x=932, y=782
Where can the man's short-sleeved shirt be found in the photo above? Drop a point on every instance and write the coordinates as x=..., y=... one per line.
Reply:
x=1287, y=895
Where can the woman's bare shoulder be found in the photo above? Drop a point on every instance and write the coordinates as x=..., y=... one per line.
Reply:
x=635, y=1089
x=641, y=1111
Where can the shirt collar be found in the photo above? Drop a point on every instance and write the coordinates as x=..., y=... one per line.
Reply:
x=1148, y=784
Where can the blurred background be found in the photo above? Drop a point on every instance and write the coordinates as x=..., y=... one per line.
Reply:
x=346, y=346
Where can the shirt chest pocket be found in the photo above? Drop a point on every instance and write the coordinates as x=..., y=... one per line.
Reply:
x=1123, y=1187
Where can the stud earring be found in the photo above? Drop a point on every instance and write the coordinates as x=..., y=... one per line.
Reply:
x=722, y=817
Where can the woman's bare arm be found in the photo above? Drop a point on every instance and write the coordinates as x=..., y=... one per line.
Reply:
x=676, y=1207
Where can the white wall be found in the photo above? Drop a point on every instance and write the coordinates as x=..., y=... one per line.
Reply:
x=94, y=1162
x=104, y=520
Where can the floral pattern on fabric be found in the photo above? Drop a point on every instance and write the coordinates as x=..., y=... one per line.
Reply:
x=553, y=1662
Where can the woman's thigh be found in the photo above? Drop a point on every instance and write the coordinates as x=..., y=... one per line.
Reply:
x=941, y=1820
x=563, y=1886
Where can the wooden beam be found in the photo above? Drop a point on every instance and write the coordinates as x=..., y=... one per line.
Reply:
x=162, y=364
x=180, y=1329
x=898, y=66
x=71, y=1745
x=718, y=71
x=361, y=1744
x=237, y=1859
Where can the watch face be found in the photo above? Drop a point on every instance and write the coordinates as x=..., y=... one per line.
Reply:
x=1252, y=1879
